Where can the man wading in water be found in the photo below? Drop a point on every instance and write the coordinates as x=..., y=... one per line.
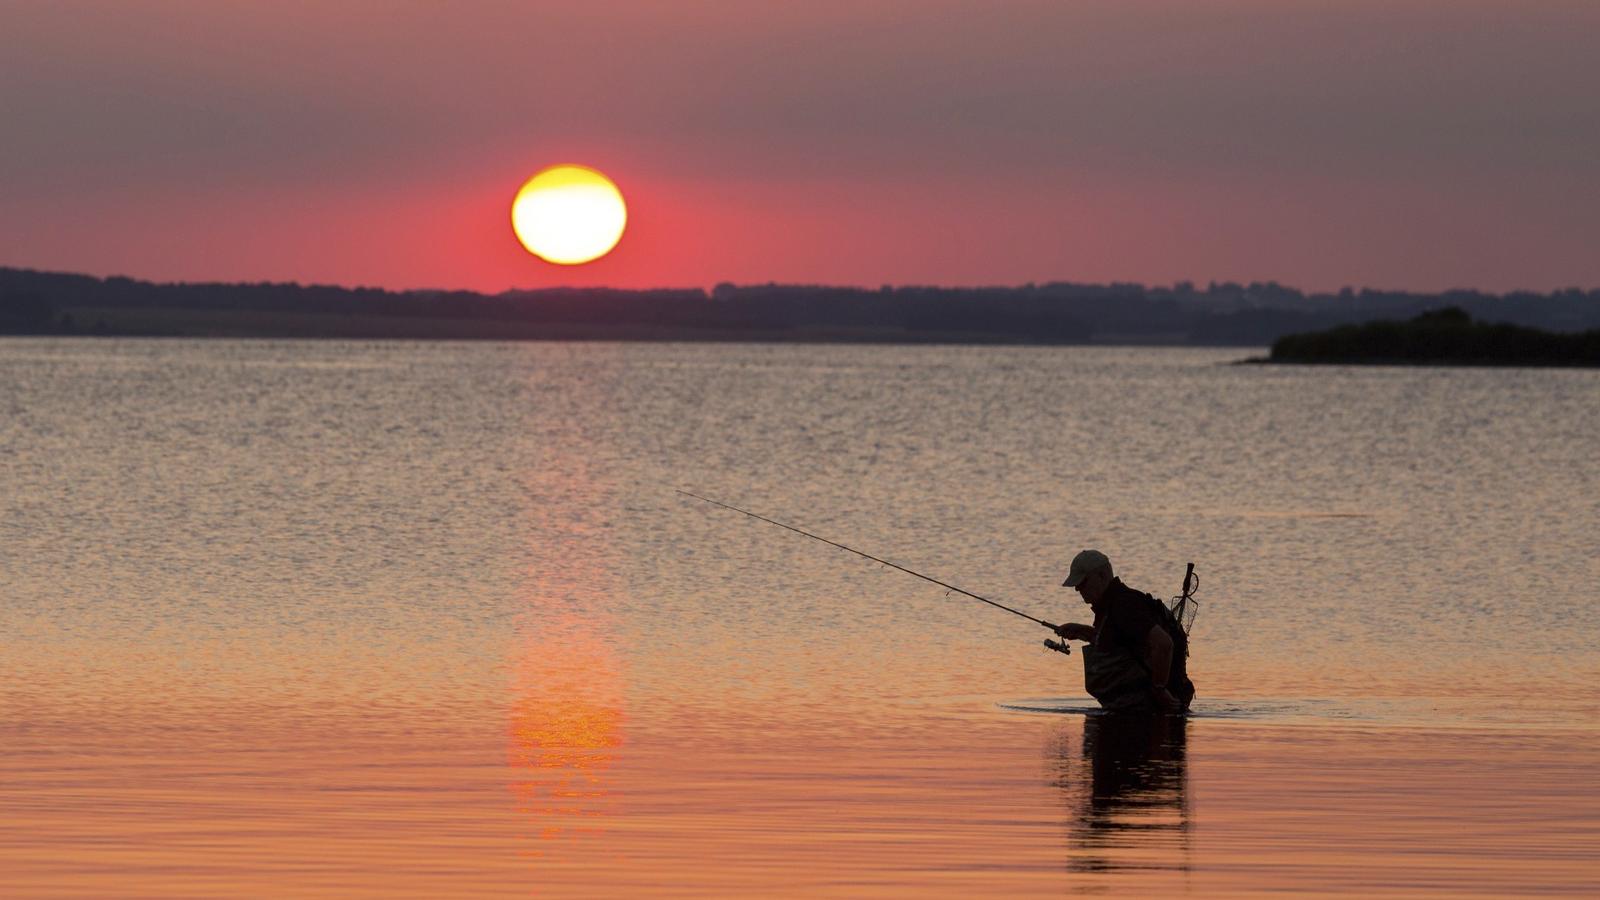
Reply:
x=1134, y=661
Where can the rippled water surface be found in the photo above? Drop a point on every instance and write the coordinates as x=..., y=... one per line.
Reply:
x=427, y=619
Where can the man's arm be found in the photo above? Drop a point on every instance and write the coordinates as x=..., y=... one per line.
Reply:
x=1073, y=631
x=1158, y=654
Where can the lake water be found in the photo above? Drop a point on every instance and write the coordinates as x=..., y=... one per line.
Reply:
x=428, y=619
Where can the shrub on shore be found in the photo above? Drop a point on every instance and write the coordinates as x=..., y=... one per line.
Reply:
x=1446, y=335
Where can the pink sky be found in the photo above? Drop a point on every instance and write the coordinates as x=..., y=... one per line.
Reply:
x=1423, y=145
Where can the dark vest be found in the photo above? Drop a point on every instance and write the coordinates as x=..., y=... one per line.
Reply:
x=1114, y=670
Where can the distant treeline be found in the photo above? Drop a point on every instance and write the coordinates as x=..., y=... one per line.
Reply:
x=1228, y=313
x=1441, y=336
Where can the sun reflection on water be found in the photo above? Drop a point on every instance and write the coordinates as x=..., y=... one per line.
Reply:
x=566, y=724
x=566, y=715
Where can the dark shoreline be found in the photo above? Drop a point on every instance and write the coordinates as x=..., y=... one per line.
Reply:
x=1414, y=363
x=1442, y=337
x=1053, y=314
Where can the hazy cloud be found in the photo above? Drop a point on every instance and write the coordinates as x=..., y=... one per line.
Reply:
x=1438, y=94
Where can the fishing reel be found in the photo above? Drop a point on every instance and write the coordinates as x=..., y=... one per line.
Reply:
x=1059, y=646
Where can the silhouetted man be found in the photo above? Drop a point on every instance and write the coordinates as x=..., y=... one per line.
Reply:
x=1135, y=659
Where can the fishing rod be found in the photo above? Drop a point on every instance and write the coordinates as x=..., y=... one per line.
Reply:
x=1059, y=646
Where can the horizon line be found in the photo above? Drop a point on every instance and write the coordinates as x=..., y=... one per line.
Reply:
x=1196, y=286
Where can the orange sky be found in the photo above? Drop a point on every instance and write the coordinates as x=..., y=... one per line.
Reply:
x=1424, y=144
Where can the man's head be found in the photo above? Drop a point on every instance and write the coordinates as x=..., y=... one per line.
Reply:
x=1090, y=574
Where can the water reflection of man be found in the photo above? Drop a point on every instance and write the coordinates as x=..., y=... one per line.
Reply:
x=1136, y=657
x=1137, y=798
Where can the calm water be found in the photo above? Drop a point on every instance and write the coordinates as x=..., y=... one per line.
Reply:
x=419, y=619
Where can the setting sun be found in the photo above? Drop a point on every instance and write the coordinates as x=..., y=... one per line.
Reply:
x=569, y=214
